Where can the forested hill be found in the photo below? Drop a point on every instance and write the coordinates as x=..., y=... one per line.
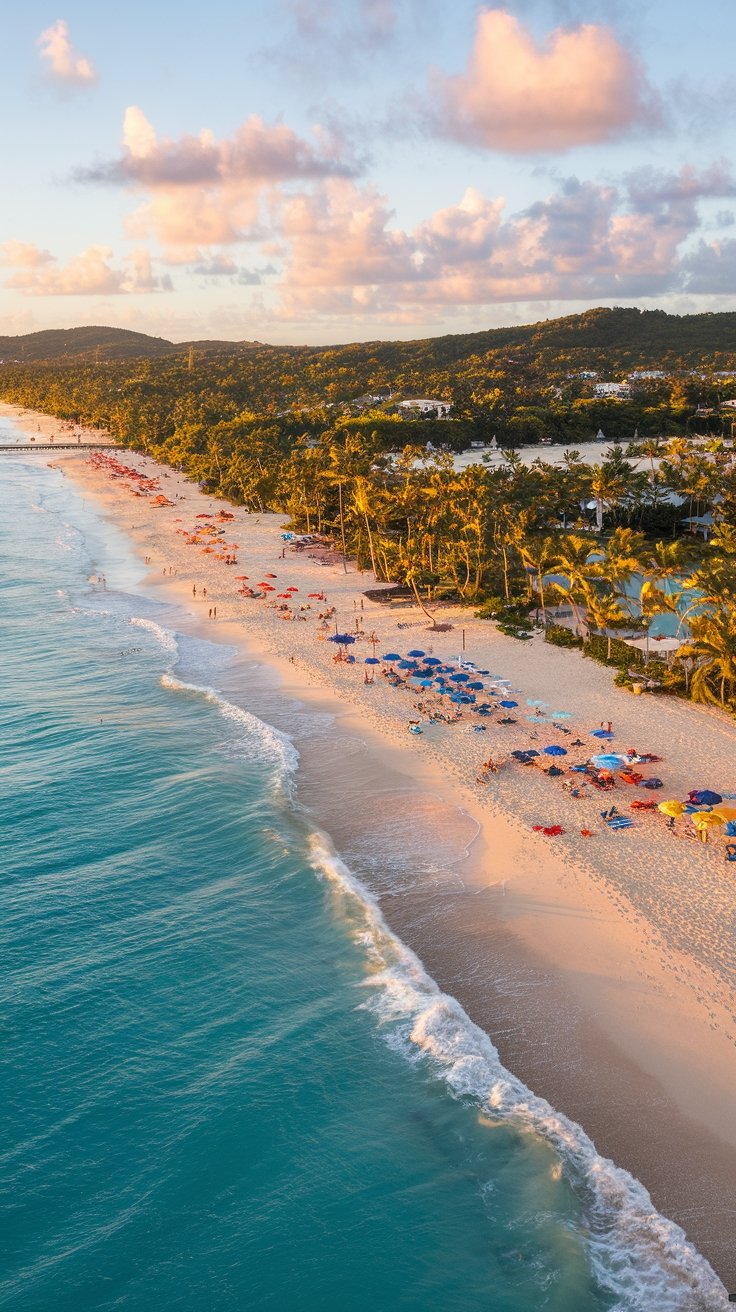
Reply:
x=92, y=343
x=599, y=338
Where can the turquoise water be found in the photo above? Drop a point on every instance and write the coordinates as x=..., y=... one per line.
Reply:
x=224, y=1084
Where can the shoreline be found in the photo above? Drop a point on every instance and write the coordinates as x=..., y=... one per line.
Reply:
x=574, y=985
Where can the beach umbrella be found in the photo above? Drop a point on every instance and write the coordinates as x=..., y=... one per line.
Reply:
x=608, y=761
x=726, y=812
x=508, y=705
x=672, y=808
x=316, y=596
x=292, y=589
x=425, y=683
x=704, y=797
x=534, y=701
x=284, y=596
x=554, y=749
x=460, y=678
x=601, y=733
x=416, y=652
x=706, y=819
x=241, y=577
x=560, y=715
x=271, y=576
x=392, y=656
x=477, y=687
x=432, y=660
x=372, y=660
x=345, y=639
x=407, y=665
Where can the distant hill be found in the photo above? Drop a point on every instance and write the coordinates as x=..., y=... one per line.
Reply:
x=630, y=336
x=95, y=344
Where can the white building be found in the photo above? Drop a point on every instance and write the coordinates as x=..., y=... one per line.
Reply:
x=620, y=390
x=424, y=406
x=642, y=375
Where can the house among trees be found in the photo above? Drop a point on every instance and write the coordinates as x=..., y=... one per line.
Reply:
x=613, y=391
x=441, y=409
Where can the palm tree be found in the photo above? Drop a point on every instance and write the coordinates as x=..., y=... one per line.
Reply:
x=578, y=575
x=540, y=557
x=713, y=648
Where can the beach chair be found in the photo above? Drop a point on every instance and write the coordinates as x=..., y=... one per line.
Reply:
x=620, y=822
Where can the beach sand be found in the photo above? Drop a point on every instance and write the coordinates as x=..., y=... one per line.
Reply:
x=601, y=967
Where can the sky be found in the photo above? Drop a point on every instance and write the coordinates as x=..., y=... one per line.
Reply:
x=326, y=171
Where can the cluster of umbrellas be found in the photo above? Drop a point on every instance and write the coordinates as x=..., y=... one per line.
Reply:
x=705, y=808
x=116, y=469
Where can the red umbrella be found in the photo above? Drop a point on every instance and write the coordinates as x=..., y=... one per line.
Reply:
x=318, y=596
x=271, y=576
x=284, y=596
x=292, y=589
x=241, y=576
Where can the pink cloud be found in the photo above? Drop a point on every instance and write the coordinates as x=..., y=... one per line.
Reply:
x=89, y=274
x=582, y=86
x=23, y=255
x=584, y=242
x=203, y=191
x=63, y=65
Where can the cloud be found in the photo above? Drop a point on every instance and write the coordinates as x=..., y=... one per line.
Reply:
x=256, y=154
x=220, y=265
x=23, y=255
x=203, y=191
x=515, y=96
x=64, y=66
x=583, y=242
x=37, y=273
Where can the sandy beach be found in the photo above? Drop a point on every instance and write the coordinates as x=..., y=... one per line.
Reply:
x=600, y=962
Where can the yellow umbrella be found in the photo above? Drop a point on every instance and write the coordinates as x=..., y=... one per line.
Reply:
x=672, y=808
x=725, y=812
x=704, y=819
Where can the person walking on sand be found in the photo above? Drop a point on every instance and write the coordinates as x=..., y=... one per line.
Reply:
x=214, y=612
x=194, y=590
x=209, y=615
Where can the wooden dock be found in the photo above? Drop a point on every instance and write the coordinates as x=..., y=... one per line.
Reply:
x=11, y=448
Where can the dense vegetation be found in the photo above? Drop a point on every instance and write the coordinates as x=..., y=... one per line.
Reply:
x=280, y=429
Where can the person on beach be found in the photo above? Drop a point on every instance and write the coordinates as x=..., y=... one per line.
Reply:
x=194, y=590
x=214, y=612
x=209, y=614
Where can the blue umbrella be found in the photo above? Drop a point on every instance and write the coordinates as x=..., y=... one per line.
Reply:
x=407, y=665
x=372, y=660
x=560, y=715
x=432, y=660
x=425, y=683
x=416, y=652
x=392, y=656
x=601, y=733
x=554, y=750
x=508, y=704
x=459, y=678
x=345, y=639
x=477, y=687
x=534, y=701
x=608, y=761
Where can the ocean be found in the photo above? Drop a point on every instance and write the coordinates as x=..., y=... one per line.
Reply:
x=225, y=1083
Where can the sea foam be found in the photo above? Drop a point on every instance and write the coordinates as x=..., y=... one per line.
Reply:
x=642, y=1259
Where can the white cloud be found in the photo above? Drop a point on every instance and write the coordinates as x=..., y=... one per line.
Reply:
x=91, y=273
x=64, y=66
